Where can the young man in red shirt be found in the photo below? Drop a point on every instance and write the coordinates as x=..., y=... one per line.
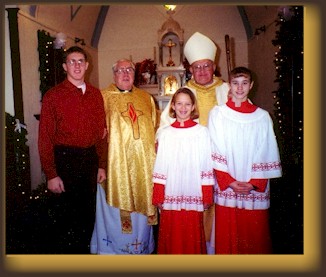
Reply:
x=72, y=145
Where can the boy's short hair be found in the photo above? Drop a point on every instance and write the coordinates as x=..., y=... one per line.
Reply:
x=241, y=71
x=74, y=49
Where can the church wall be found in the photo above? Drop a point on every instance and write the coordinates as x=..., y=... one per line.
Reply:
x=261, y=56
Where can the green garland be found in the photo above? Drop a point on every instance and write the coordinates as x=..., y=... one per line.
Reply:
x=289, y=96
x=17, y=164
x=51, y=71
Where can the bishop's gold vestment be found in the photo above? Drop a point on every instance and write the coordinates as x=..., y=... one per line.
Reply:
x=206, y=98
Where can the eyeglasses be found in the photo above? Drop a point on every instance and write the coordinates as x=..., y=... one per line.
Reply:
x=72, y=62
x=204, y=67
x=127, y=70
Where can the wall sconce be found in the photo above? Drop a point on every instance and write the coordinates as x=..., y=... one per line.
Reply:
x=170, y=9
x=80, y=40
x=259, y=30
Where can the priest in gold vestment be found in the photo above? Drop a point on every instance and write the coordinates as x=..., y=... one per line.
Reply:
x=125, y=215
x=210, y=91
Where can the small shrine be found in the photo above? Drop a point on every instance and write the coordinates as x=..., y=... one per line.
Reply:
x=171, y=73
x=164, y=76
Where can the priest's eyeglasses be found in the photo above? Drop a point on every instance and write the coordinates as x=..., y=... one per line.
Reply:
x=127, y=70
x=73, y=62
x=204, y=67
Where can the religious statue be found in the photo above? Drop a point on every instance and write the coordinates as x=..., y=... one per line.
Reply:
x=170, y=44
x=170, y=85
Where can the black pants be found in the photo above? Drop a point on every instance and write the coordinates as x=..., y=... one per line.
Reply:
x=73, y=211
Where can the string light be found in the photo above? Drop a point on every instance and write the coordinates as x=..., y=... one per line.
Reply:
x=288, y=60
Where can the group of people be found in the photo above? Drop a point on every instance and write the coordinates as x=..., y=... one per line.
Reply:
x=118, y=167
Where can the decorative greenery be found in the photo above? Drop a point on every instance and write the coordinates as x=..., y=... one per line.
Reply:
x=51, y=71
x=289, y=96
x=287, y=192
x=28, y=213
x=17, y=162
x=29, y=216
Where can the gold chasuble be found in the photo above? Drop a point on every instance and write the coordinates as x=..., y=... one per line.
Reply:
x=131, y=120
x=206, y=98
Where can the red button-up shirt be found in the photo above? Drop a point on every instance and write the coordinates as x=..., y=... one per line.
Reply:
x=71, y=118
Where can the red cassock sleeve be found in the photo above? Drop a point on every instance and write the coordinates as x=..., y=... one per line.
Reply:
x=224, y=180
x=158, y=194
x=259, y=184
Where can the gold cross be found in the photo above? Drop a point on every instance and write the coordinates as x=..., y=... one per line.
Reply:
x=133, y=114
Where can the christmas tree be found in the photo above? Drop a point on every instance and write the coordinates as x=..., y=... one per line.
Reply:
x=287, y=192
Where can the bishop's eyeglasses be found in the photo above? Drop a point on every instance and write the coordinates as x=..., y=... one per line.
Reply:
x=204, y=67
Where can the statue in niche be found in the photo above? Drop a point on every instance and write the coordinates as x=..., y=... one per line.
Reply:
x=170, y=85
